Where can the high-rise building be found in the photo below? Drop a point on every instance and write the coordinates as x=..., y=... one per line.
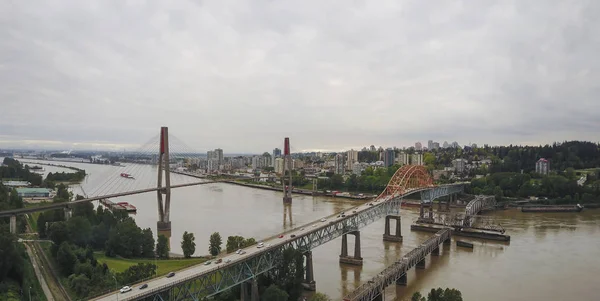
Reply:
x=455, y=145
x=542, y=166
x=445, y=145
x=417, y=159
x=278, y=165
x=418, y=146
x=219, y=155
x=351, y=158
x=430, y=144
x=403, y=158
x=436, y=145
x=339, y=164
x=372, y=148
x=388, y=157
x=276, y=153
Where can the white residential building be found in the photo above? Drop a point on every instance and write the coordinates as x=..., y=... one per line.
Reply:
x=542, y=166
x=351, y=159
x=278, y=165
x=459, y=165
x=417, y=159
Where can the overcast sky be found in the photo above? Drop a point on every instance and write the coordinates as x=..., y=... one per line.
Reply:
x=242, y=75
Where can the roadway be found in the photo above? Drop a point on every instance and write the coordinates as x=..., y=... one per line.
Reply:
x=197, y=270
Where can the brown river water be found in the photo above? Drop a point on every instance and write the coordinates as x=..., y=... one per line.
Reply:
x=550, y=257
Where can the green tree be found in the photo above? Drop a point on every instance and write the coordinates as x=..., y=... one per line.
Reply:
x=188, y=245
x=58, y=233
x=234, y=243
x=80, y=230
x=9, y=255
x=41, y=225
x=274, y=293
x=417, y=297
x=439, y=294
x=319, y=297
x=125, y=239
x=147, y=243
x=215, y=242
x=248, y=242
x=66, y=258
x=162, y=246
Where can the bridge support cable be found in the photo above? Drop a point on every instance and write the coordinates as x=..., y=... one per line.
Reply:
x=130, y=175
x=396, y=273
x=182, y=156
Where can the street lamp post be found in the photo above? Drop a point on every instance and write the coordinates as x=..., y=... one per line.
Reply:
x=30, y=293
x=116, y=286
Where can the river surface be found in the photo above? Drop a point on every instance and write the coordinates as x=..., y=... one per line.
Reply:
x=550, y=256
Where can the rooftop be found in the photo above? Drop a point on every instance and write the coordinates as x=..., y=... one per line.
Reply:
x=33, y=190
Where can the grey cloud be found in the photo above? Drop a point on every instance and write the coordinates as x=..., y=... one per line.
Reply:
x=241, y=75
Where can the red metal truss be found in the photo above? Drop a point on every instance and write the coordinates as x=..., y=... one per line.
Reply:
x=407, y=177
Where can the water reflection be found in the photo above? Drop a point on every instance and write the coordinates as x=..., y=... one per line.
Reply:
x=287, y=216
x=349, y=284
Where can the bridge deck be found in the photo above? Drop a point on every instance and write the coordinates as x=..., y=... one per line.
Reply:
x=206, y=280
x=375, y=287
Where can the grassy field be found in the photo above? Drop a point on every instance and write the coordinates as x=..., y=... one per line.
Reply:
x=164, y=266
x=32, y=220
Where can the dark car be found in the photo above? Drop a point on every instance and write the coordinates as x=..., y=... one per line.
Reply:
x=293, y=235
x=171, y=274
x=145, y=285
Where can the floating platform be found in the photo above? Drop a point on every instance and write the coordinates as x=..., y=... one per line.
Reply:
x=464, y=244
x=552, y=208
x=118, y=206
x=463, y=233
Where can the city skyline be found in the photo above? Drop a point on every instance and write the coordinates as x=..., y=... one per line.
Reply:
x=332, y=77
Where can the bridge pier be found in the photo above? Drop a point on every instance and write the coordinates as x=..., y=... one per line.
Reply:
x=357, y=258
x=13, y=224
x=67, y=213
x=436, y=251
x=403, y=280
x=309, y=280
x=396, y=237
x=421, y=264
x=249, y=290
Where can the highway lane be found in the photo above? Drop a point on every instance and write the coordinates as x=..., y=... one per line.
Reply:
x=249, y=251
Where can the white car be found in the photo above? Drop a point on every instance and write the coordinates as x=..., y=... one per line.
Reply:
x=323, y=220
x=227, y=260
x=242, y=252
x=125, y=289
x=259, y=246
x=238, y=251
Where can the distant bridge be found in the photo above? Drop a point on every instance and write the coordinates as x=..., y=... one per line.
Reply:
x=373, y=290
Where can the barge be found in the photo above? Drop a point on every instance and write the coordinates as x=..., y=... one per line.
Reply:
x=552, y=208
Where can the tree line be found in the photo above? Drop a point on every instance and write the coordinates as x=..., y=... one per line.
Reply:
x=17, y=277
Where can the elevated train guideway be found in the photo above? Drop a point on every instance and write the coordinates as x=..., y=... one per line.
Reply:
x=373, y=290
x=202, y=281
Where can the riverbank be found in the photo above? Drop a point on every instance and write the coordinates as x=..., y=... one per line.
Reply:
x=55, y=165
x=345, y=195
x=163, y=266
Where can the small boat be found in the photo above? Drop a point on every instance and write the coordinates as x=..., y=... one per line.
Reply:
x=126, y=175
